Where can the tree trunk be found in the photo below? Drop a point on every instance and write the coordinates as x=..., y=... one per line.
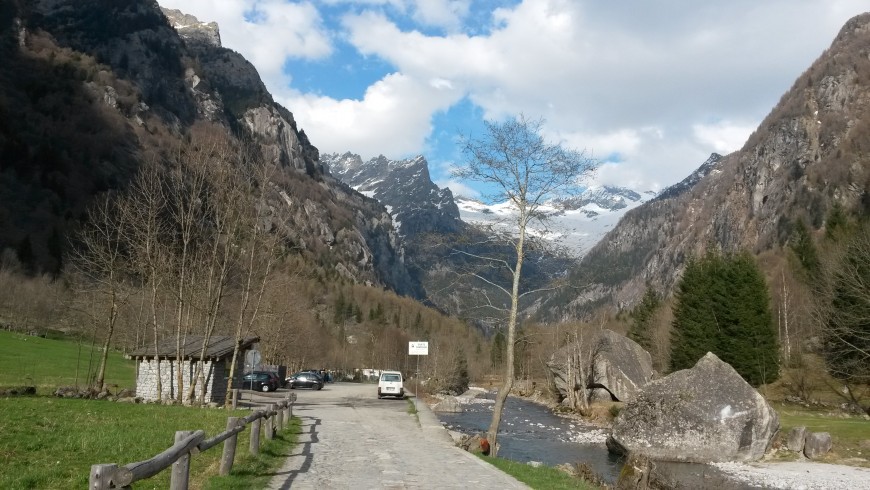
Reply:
x=99, y=383
x=508, y=382
x=156, y=339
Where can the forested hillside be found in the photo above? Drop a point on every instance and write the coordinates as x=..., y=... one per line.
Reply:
x=151, y=188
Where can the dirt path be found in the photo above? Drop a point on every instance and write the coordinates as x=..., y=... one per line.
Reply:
x=350, y=439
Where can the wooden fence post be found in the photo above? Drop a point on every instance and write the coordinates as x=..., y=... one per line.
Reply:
x=255, y=436
x=235, y=397
x=270, y=423
x=101, y=476
x=181, y=466
x=279, y=421
x=229, y=453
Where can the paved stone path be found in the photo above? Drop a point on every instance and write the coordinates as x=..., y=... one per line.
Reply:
x=352, y=440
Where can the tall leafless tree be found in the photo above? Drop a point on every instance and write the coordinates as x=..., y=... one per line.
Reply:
x=144, y=206
x=515, y=164
x=844, y=311
x=99, y=258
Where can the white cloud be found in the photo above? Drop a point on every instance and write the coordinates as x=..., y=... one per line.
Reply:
x=393, y=118
x=724, y=137
x=447, y=14
x=458, y=188
x=642, y=85
x=639, y=79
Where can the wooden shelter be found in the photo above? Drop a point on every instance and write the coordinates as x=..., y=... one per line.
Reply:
x=216, y=366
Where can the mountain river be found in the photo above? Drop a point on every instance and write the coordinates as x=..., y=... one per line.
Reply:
x=531, y=432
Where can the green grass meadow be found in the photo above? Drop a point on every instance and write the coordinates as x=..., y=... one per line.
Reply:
x=45, y=363
x=847, y=433
x=542, y=477
x=51, y=443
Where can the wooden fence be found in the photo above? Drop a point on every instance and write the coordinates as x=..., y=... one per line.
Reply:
x=189, y=443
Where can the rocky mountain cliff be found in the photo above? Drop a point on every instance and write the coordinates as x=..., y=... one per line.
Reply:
x=810, y=152
x=416, y=204
x=438, y=245
x=88, y=88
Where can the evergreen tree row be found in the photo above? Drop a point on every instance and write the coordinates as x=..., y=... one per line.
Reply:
x=723, y=306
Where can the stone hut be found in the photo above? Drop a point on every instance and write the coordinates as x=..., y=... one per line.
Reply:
x=216, y=366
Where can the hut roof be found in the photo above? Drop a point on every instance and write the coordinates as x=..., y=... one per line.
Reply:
x=218, y=347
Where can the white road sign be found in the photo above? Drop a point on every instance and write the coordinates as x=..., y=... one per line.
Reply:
x=418, y=348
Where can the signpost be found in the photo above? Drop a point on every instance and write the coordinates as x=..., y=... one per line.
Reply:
x=417, y=349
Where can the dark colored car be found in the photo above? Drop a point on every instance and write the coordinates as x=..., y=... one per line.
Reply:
x=261, y=381
x=305, y=379
x=275, y=379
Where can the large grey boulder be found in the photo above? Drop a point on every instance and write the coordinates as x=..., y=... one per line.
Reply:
x=620, y=367
x=605, y=366
x=817, y=444
x=796, y=438
x=569, y=368
x=448, y=405
x=704, y=414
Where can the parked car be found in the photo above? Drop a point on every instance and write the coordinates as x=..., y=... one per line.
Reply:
x=276, y=379
x=391, y=384
x=261, y=381
x=305, y=379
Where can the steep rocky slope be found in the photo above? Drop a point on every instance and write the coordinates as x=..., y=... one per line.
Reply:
x=441, y=250
x=416, y=204
x=88, y=88
x=810, y=152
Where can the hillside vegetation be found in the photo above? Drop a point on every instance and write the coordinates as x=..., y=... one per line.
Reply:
x=174, y=197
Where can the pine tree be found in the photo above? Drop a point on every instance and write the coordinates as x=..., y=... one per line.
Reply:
x=642, y=317
x=693, y=328
x=496, y=355
x=339, y=309
x=723, y=306
x=747, y=339
x=804, y=249
x=837, y=222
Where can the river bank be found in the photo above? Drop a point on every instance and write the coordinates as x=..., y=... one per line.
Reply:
x=589, y=435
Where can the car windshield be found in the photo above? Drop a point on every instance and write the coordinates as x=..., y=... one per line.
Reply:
x=390, y=377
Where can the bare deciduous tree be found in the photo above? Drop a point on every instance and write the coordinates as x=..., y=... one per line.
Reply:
x=99, y=258
x=844, y=310
x=513, y=160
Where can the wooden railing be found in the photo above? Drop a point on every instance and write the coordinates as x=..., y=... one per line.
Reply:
x=189, y=443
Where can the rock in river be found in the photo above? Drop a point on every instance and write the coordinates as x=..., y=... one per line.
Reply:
x=448, y=405
x=704, y=414
x=607, y=366
x=620, y=367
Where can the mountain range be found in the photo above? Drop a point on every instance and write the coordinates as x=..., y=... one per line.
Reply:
x=88, y=90
x=810, y=155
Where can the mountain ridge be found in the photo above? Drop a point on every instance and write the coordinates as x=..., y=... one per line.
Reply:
x=115, y=85
x=808, y=154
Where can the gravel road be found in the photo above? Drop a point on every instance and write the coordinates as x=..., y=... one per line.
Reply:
x=351, y=439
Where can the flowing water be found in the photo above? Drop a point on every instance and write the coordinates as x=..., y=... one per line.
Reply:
x=531, y=432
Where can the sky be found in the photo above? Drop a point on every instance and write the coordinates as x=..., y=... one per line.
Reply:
x=648, y=89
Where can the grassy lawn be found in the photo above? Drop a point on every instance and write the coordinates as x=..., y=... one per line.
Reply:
x=846, y=433
x=255, y=472
x=52, y=442
x=542, y=477
x=47, y=363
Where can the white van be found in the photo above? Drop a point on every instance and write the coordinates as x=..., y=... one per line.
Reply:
x=391, y=384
